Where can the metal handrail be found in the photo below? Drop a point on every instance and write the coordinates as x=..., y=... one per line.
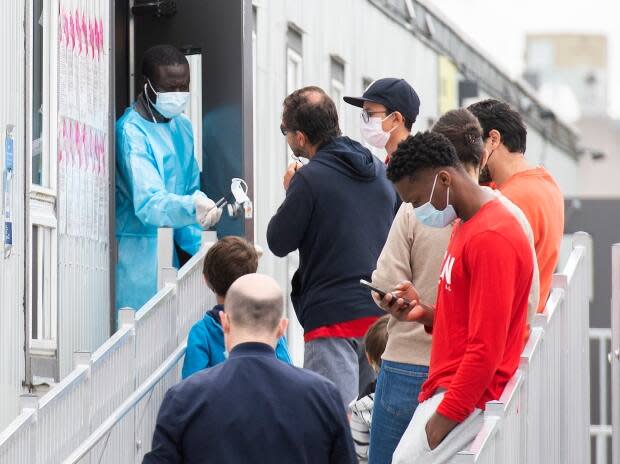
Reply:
x=128, y=405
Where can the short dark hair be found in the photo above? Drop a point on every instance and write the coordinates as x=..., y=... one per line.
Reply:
x=375, y=339
x=494, y=114
x=464, y=132
x=161, y=55
x=420, y=151
x=226, y=261
x=318, y=119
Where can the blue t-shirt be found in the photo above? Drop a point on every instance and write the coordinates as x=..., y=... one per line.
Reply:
x=205, y=344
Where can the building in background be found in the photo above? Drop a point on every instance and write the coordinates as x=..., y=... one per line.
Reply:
x=569, y=70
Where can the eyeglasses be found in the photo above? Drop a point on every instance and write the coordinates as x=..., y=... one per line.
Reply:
x=366, y=115
x=285, y=131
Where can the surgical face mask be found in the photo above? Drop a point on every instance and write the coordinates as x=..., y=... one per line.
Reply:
x=373, y=133
x=428, y=215
x=169, y=104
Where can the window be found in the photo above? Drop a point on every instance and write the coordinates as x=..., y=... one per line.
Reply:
x=43, y=289
x=337, y=87
x=42, y=163
x=294, y=69
x=42, y=220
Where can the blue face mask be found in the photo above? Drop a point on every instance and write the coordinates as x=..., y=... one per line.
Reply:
x=430, y=216
x=169, y=104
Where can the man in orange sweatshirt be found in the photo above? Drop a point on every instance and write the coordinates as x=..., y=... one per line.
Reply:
x=531, y=188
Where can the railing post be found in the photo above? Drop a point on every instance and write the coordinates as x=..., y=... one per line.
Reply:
x=83, y=358
x=165, y=251
x=585, y=240
x=208, y=238
x=30, y=401
x=127, y=317
x=615, y=352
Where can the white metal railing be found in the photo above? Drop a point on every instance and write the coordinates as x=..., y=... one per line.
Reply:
x=105, y=410
x=601, y=432
x=126, y=370
x=544, y=412
x=614, y=355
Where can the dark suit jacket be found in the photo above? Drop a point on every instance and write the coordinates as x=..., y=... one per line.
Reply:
x=252, y=409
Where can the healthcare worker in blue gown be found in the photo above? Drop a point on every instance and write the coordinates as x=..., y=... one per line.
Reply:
x=157, y=177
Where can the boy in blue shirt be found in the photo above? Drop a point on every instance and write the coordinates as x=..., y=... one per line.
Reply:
x=226, y=261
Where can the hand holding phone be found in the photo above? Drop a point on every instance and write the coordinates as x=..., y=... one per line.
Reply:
x=380, y=292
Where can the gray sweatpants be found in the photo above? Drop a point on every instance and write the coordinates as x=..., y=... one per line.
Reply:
x=413, y=446
x=343, y=361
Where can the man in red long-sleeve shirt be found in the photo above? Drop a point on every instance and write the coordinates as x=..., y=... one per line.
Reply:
x=481, y=311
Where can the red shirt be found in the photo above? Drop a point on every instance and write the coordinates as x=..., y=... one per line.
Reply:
x=481, y=311
x=350, y=329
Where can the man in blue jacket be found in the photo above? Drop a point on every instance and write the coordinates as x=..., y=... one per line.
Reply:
x=337, y=212
x=252, y=408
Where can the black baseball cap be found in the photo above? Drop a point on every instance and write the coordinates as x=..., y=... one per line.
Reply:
x=394, y=94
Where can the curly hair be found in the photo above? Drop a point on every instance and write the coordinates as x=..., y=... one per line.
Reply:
x=421, y=151
x=494, y=114
x=464, y=131
x=316, y=118
x=161, y=55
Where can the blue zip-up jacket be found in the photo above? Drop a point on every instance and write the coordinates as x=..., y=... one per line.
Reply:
x=337, y=212
x=205, y=344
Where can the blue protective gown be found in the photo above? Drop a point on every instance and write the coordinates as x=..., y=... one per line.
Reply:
x=157, y=179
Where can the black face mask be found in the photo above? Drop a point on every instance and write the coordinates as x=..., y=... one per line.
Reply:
x=485, y=174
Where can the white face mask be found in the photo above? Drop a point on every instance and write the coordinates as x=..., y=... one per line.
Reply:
x=168, y=104
x=373, y=133
x=430, y=216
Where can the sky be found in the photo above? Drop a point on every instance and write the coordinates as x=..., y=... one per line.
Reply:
x=499, y=28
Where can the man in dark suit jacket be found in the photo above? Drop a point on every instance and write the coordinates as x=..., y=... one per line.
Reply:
x=252, y=408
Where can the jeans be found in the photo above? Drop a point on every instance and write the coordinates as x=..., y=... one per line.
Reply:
x=396, y=399
x=343, y=361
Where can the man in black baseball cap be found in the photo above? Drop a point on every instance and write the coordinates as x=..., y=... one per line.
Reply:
x=390, y=107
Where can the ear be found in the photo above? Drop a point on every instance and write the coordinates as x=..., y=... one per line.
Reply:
x=225, y=322
x=301, y=139
x=282, y=326
x=399, y=118
x=495, y=139
x=444, y=178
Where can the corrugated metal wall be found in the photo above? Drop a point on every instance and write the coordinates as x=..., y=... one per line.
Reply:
x=83, y=207
x=371, y=46
x=12, y=267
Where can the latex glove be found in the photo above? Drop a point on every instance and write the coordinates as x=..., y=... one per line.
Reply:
x=207, y=214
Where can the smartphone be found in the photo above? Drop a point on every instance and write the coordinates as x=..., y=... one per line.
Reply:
x=381, y=293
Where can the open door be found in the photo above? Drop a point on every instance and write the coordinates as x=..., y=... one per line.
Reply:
x=212, y=35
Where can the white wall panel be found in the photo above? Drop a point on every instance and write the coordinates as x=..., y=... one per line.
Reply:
x=83, y=208
x=12, y=267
